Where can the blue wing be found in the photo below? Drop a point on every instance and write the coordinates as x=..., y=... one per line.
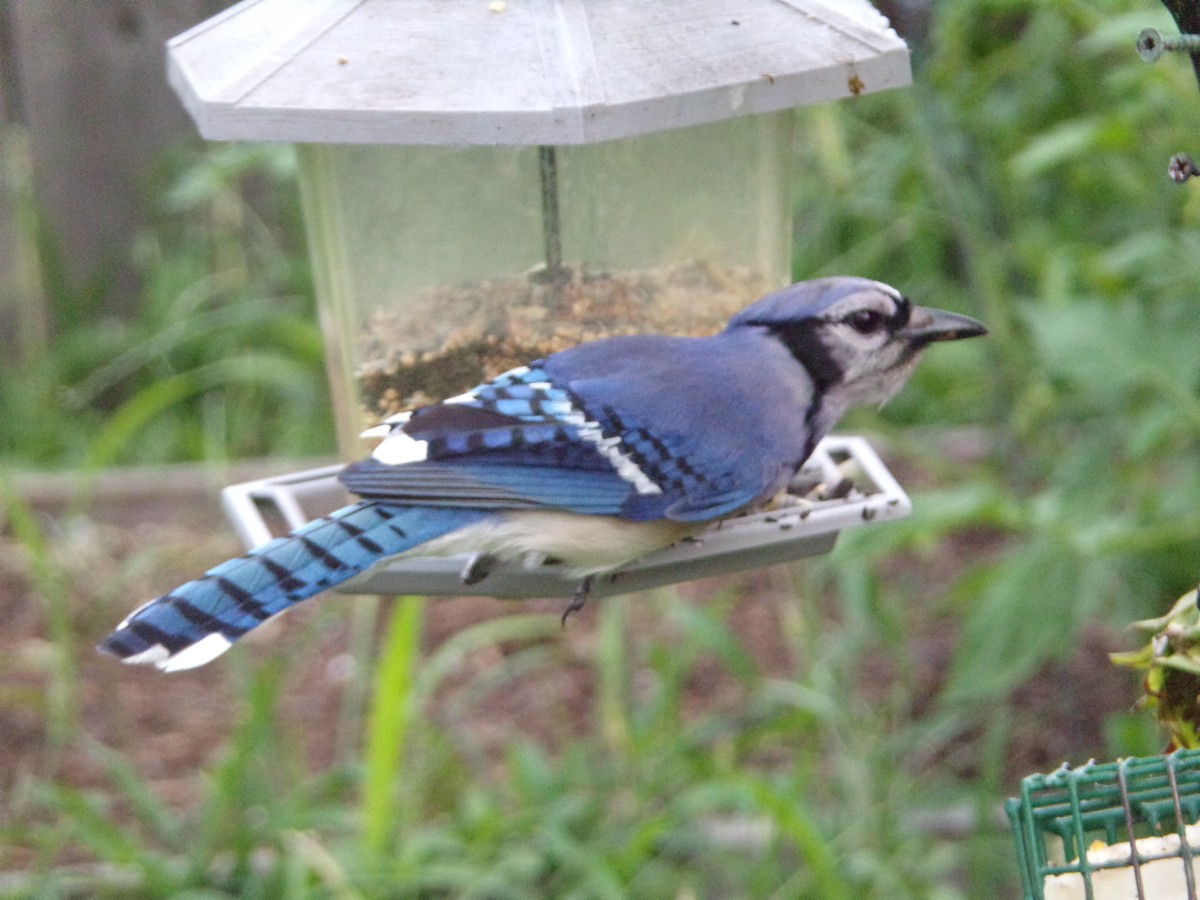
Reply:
x=717, y=423
x=598, y=433
x=517, y=442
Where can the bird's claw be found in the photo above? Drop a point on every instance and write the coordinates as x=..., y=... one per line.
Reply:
x=478, y=567
x=578, y=599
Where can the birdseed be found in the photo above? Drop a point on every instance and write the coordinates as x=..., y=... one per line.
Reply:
x=491, y=326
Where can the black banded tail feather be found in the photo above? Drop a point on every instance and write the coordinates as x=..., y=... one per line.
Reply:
x=201, y=619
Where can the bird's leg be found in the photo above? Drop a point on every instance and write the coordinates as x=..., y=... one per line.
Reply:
x=478, y=567
x=582, y=590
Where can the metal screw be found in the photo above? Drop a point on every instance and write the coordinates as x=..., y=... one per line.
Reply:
x=1180, y=169
x=1152, y=43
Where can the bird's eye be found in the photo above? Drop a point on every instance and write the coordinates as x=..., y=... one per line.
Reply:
x=866, y=321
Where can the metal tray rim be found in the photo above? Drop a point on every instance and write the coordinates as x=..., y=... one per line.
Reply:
x=730, y=545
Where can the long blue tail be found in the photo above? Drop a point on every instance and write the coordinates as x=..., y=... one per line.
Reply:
x=200, y=620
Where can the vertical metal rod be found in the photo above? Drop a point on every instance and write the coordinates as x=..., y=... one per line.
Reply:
x=1085, y=865
x=551, y=223
x=1133, y=852
x=1185, y=848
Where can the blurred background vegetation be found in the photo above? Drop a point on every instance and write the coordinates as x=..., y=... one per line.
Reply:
x=841, y=727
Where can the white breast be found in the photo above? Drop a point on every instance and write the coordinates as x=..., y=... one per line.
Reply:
x=586, y=544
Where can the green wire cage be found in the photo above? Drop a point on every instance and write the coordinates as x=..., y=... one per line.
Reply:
x=1122, y=829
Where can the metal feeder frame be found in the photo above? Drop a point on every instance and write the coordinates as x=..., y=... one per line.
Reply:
x=808, y=528
x=1116, y=803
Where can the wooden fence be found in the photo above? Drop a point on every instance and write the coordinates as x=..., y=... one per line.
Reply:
x=85, y=113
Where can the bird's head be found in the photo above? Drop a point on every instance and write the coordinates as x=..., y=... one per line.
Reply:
x=858, y=339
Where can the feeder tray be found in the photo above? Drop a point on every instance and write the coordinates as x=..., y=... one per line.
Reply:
x=1122, y=829
x=808, y=528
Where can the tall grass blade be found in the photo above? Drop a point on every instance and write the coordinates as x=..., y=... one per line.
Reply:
x=612, y=678
x=388, y=721
x=62, y=696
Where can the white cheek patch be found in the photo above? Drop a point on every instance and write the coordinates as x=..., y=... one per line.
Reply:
x=854, y=354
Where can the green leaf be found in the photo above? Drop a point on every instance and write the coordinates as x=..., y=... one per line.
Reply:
x=1181, y=662
x=1185, y=605
x=1065, y=143
x=1029, y=611
x=1134, y=659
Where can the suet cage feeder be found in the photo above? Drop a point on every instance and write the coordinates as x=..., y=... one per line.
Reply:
x=1115, y=830
x=484, y=183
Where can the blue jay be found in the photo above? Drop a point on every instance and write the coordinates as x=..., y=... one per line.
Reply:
x=592, y=456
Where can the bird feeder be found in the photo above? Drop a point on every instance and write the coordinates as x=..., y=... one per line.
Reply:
x=485, y=183
x=1113, y=830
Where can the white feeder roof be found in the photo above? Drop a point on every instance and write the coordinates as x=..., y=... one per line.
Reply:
x=521, y=71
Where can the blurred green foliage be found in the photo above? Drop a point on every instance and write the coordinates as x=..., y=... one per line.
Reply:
x=1169, y=664
x=224, y=359
x=1021, y=179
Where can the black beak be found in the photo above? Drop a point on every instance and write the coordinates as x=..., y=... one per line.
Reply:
x=928, y=325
